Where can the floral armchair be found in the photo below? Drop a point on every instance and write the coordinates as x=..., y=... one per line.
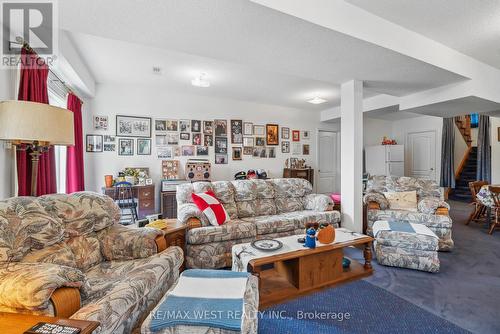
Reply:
x=432, y=210
x=65, y=255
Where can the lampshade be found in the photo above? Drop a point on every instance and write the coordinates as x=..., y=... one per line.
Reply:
x=25, y=122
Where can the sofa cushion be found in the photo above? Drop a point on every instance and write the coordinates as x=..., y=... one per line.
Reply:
x=211, y=207
x=82, y=212
x=24, y=226
x=87, y=251
x=119, y=294
x=402, y=200
x=289, y=204
x=257, y=207
x=273, y=224
x=232, y=230
x=291, y=188
x=59, y=253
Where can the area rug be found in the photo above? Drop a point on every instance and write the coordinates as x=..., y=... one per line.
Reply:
x=357, y=307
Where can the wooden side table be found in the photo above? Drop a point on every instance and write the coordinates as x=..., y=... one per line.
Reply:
x=17, y=323
x=175, y=235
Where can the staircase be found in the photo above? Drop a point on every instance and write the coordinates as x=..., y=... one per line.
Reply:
x=468, y=174
x=463, y=124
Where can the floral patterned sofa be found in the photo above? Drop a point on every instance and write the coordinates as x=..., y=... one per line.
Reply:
x=433, y=211
x=258, y=209
x=65, y=255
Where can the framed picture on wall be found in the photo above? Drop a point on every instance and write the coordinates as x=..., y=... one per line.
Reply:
x=143, y=146
x=196, y=138
x=221, y=159
x=94, y=143
x=208, y=140
x=188, y=150
x=185, y=125
x=195, y=125
x=306, y=134
x=201, y=150
x=125, y=146
x=247, y=128
x=208, y=127
x=295, y=135
x=101, y=123
x=109, y=139
x=220, y=128
x=247, y=141
x=305, y=149
x=160, y=125
x=221, y=145
x=160, y=140
x=133, y=126
x=109, y=147
x=164, y=152
x=236, y=131
x=271, y=152
x=185, y=136
x=237, y=152
x=260, y=141
x=259, y=130
x=296, y=149
x=172, y=125
x=172, y=138
x=248, y=150
x=272, y=134
x=285, y=146
x=285, y=133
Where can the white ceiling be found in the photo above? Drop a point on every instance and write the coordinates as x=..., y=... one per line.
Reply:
x=129, y=63
x=469, y=26
x=249, y=51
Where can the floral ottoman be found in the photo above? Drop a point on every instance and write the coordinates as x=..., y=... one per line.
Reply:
x=406, y=245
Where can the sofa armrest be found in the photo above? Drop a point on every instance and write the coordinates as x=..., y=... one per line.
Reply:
x=188, y=213
x=318, y=202
x=125, y=243
x=66, y=301
x=31, y=285
x=433, y=205
x=378, y=198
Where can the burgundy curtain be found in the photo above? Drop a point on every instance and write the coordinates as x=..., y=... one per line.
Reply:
x=33, y=87
x=74, y=156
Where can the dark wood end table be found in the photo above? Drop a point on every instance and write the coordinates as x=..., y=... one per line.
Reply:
x=17, y=323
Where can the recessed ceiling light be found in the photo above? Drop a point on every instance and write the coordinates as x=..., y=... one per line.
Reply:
x=316, y=100
x=201, y=81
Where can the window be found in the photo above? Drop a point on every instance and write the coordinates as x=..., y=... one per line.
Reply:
x=58, y=97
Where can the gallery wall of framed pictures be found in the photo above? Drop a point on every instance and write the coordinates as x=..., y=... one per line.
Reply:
x=218, y=140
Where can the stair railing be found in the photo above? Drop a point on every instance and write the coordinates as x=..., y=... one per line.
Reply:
x=463, y=125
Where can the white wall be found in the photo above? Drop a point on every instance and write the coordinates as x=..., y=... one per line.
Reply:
x=153, y=102
x=374, y=131
x=7, y=78
x=495, y=150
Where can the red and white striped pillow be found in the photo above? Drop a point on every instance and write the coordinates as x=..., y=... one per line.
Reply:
x=211, y=207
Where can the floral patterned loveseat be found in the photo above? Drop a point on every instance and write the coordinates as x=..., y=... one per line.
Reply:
x=432, y=210
x=65, y=255
x=258, y=209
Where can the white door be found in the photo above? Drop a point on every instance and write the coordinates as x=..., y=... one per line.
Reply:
x=327, y=162
x=421, y=152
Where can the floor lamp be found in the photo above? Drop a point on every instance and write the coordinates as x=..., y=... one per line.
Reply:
x=38, y=126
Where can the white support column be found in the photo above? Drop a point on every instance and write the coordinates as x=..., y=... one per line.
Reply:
x=351, y=153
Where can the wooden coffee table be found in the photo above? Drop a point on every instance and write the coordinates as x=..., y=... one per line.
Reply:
x=288, y=275
x=16, y=323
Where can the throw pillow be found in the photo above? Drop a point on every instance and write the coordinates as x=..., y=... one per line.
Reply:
x=211, y=207
x=404, y=200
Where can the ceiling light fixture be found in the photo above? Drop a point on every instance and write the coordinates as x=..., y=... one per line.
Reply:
x=201, y=81
x=316, y=100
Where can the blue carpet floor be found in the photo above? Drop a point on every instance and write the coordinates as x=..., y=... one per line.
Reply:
x=357, y=307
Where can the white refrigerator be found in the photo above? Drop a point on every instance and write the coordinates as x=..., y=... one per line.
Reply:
x=385, y=160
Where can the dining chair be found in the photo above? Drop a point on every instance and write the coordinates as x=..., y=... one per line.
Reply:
x=480, y=210
x=495, y=193
x=124, y=198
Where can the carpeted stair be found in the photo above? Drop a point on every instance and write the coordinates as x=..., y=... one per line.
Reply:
x=462, y=191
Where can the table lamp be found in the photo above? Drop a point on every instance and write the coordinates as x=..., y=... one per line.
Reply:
x=38, y=125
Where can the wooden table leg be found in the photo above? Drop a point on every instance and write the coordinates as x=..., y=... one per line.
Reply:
x=367, y=253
